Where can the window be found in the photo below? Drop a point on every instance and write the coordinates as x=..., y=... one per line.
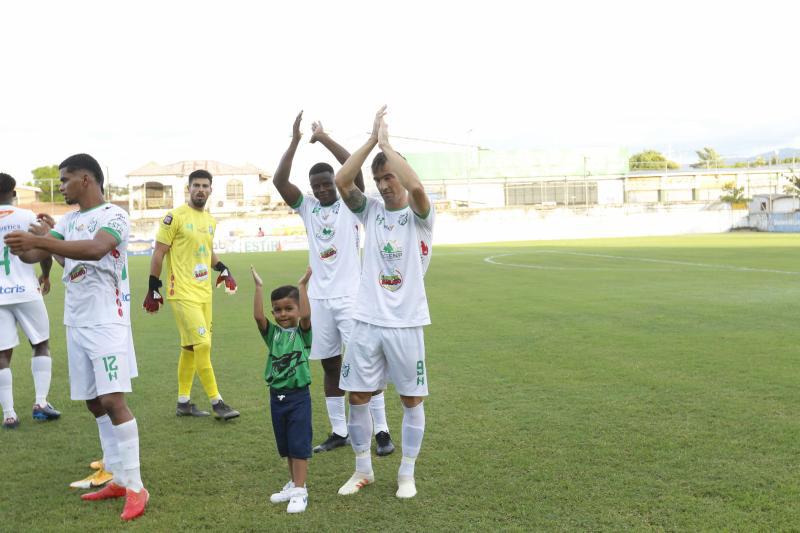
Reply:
x=157, y=195
x=234, y=190
x=552, y=193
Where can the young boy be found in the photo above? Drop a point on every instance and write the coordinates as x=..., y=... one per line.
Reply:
x=288, y=375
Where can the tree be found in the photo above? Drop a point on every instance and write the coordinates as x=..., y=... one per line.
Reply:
x=651, y=160
x=708, y=158
x=793, y=177
x=47, y=179
x=733, y=194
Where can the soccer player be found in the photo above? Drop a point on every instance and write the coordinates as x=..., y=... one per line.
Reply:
x=185, y=238
x=334, y=257
x=392, y=306
x=93, y=242
x=288, y=375
x=21, y=303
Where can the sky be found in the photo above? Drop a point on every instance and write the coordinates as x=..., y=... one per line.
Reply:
x=137, y=81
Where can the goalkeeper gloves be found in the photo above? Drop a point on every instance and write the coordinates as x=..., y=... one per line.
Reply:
x=225, y=277
x=153, y=300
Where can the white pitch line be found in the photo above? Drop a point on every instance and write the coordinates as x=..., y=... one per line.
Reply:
x=491, y=259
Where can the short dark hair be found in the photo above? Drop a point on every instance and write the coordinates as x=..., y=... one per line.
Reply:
x=7, y=183
x=84, y=162
x=286, y=291
x=200, y=174
x=320, y=168
x=379, y=161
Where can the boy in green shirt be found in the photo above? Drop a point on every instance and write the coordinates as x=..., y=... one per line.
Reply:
x=288, y=376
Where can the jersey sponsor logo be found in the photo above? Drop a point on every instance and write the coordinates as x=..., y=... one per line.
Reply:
x=391, y=251
x=78, y=273
x=391, y=281
x=325, y=233
x=200, y=272
x=329, y=254
x=287, y=363
x=12, y=289
x=380, y=219
x=202, y=251
x=423, y=248
x=167, y=219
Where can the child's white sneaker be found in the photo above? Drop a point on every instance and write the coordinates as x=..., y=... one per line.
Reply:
x=356, y=481
x=298, y=500
x=284, y=495
x=406, y=488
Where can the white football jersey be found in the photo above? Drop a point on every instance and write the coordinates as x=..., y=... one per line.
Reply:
x=18, y=281
x=96, y=290
x=397, y=252
x=332, y=248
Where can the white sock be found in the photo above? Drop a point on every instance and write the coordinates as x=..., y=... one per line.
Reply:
x=183, y=399
x=41, y=367
x=127, y=435
x=377, y=406
x=336, y=414
x=108, y=442
x=413, y=431
x=216, y=399
x=6, y=394
x=360, y=427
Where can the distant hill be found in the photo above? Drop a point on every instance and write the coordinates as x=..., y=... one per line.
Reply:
x=783, y=153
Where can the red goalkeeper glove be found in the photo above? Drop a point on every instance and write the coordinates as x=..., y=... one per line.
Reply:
x=153, y=300
x=225, y=277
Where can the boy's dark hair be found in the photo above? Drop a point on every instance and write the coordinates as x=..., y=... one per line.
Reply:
x=379, y=161
x=286, y=291
x=84, y=162
x=200, y=174
x=7, y=183
x=320, y=168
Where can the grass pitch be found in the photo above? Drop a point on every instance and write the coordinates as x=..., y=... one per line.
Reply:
x=645, y=384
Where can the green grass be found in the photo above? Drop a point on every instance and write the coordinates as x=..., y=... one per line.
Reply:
x=640, y=384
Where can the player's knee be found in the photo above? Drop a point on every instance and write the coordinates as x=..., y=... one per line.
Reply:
x=411, y=401
x=332, y=366
x=202, y=355
x=41, y=349
x=359, y=398
x=5, y=359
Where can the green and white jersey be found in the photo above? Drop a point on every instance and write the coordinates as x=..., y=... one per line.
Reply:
x=18, y=282
x=332, y=248
x=287, y=362
x=397, y=251
x=96, y=290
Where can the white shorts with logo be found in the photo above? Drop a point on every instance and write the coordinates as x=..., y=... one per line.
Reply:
x=375, y=352
x=32, y=318
x=101, y=360
x=331, y=324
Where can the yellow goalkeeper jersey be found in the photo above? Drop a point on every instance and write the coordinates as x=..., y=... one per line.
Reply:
x=190, y=234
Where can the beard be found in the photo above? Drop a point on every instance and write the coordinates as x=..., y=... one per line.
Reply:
x=199, y=203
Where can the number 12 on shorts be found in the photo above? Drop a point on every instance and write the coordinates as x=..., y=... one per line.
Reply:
x=420, y=372
x=110, y=364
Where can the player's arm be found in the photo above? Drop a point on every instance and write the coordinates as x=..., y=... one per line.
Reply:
x=345, y=178
x=417, y=198
x=21, y=242
x=305, y=305
x=318, y=133
x=153, y=299
x=288, y=190
x=258, y=301
x=44, y=277
x=225, y=276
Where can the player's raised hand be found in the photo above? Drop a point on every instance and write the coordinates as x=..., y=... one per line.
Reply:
x=44, y=218
x=44, y=284
x=153, y=299
x=376, y=123
x=305, y=278
x=317, y=131
x=296, y=133
x=383, y=134
x=225, y=277
x=256, y=277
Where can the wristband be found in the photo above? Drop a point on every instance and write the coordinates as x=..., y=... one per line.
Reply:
x=219, y=267
x=154, y=283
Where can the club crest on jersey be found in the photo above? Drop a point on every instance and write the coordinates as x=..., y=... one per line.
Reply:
x=78, y=273
x=329, y=254
x=326, y=233
x=200, y=272
x=92, y=225
x=390, y=281
x=391, y=251
x=201, y=331
x=167, y=219
x=403, y=220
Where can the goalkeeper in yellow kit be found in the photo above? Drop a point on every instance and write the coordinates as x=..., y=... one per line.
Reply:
x=185, y=238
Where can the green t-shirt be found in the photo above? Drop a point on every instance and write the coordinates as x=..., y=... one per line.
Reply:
x=287, y=362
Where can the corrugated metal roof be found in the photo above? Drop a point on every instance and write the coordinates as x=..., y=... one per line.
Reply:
x=184, y=168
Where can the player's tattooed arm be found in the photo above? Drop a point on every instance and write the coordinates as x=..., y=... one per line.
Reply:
x=345, y=178
x=417, y=197
x=305, y=305
x=338, y=151
x=258, y=301
x=288, y=190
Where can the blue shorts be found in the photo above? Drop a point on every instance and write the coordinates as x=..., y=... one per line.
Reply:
x=291, y=422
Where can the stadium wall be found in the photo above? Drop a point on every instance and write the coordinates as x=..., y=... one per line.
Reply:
x=267, y=233
x=775, y=222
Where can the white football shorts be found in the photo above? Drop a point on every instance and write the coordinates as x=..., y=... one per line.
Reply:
x=32, y=318
x=101, y=360
x=331, y=324
x=375, y=352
